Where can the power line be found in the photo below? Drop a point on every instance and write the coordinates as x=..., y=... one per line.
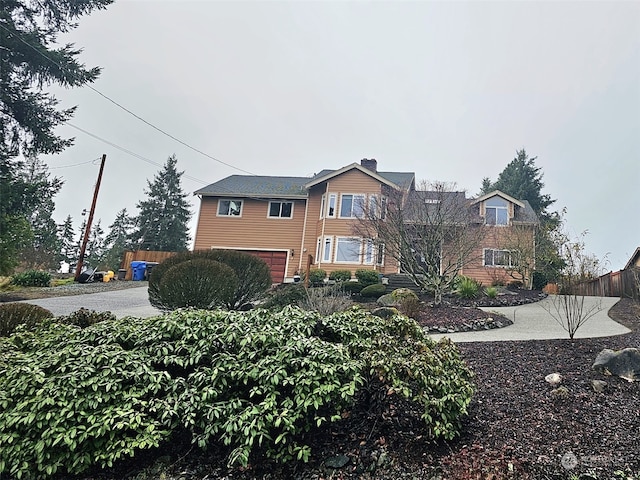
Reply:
x=129, y=152
x=132, y=113
x=76, y=164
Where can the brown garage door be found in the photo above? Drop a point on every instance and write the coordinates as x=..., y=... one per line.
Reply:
x=277, y=261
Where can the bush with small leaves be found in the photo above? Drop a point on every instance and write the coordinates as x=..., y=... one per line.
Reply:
x=367, y=277
x=32, y=278
x=352, y=287
x=467, y=287
x=84, y=318
x=340, y=275
x=14, y=314
x=373, y=291
x=199, y=283
x=252, y=273
x=317, y=276
x=285, y=295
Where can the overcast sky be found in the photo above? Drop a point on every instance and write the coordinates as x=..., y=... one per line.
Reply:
x=448, y=90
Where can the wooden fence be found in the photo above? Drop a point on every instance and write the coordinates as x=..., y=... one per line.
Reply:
x=142, y=256
x=625, y=283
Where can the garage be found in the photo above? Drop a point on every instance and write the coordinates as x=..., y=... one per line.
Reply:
x=277, y=261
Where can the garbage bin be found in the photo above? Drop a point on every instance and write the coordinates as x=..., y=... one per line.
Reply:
x=138, y=268
x=150, y=266
x=122, y=273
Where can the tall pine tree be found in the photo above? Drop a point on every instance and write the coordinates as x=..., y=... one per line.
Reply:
x=42, y=250
x=30, y=61
x=118, y=240
x=162, y=223
x=68, y=248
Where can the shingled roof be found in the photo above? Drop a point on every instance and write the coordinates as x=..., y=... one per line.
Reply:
x=256, y=186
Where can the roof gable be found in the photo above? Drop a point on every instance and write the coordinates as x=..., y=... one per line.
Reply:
x=388, y=178
x=508, y=198
x=634, y=258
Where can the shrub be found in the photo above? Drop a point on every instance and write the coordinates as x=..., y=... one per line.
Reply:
x=373, y=291
x=326, y=300
x=340, y=275
x=367, y=277
x=491, y=292
x=84, y=318
x=317, y=276
x=252, y=273
x=198, y=283
x=352, y=287
x=400, y=294
x=14, y=314
x=410, y=306
x=255, y=382
x=32, y=278
x=467, y=287
x=285, y=295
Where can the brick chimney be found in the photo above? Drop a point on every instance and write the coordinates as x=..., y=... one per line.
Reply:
x=370, y=164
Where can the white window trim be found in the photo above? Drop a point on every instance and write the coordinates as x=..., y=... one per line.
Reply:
x=332, y=197
x=280, y=202
x=494, y=250
x=218, y=214
x=323, y=206
x=322, y=250
x=353, y=202
x=358, y=261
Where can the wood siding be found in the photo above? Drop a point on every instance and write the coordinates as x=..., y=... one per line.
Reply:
x=253, y=230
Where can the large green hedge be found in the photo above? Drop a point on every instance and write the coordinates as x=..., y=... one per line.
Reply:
x=251, y=281
x=251, y=382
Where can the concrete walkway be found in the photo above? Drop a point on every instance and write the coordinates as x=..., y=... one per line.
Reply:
x=132, y=302
x=534, y=322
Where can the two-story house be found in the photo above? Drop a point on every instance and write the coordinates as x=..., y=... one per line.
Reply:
x=295, y=223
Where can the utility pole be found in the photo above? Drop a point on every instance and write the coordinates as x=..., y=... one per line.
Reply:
x=88, y=229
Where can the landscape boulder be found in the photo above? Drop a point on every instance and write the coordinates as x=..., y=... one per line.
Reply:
x=622, y=363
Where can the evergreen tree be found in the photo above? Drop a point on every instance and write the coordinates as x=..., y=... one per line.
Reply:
x=118, y=240
x=95, y=251
x=522, y=180
x=76, y=252
x=68, y=249
x=162, y=223
x=42, y=250
x=29, y=61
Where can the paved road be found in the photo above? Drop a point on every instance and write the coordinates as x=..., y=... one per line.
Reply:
x=534, y=322
x=123, y=303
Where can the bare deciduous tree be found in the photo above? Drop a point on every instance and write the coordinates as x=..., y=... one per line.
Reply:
x=569, y=308
x=431, y=232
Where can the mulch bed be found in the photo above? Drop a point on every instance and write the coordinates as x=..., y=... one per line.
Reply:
x=516, y=428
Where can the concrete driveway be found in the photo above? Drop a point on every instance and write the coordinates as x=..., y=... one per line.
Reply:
x=132, y=302
x=533, y=322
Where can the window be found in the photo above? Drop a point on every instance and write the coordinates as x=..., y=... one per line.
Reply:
x=496, y=211
x=352, y=206
x=322, y=205
x=331, y=209
x=280, y=209
x=369, y=251
x=323, y=253
x=348, y=250
x=380, y=254
x=500, y=258
x=229, y=208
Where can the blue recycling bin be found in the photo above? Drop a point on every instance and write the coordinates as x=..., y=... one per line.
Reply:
x=138, y=270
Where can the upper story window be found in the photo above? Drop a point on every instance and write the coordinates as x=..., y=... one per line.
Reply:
x=328, y=208
x=229, y=208
x=280, y=209
x=352, y=205
x=496, y=211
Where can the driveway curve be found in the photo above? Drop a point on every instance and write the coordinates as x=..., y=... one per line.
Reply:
x=534, y=322
x=132, y=302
